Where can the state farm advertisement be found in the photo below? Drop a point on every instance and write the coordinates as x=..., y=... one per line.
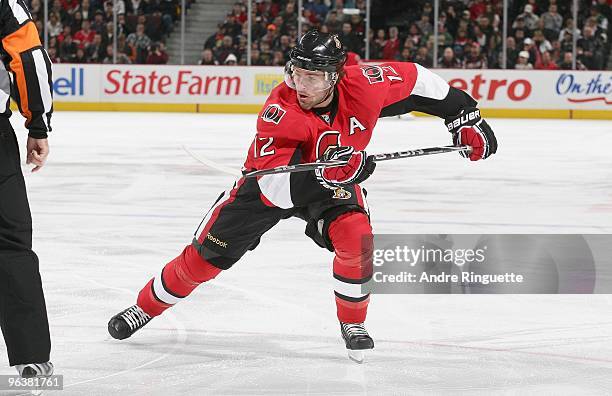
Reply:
x=494, y=89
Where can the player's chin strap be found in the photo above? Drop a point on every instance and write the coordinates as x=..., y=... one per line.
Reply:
x=329, y=93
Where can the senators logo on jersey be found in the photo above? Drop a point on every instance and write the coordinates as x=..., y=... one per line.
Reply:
x=273, y=113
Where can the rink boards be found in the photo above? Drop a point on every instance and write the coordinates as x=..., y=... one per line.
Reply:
x=239, y=89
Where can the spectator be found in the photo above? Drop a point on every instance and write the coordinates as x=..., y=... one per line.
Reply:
x=225, y=50
x=77, y=21
x=553, y=22
x=566, y=64
x=546, y=62
x=57, y=9
x=358, y=25
x=53, y=56
x=448, y=60
x=255, y=59
x=36, y=10
x=65, y=32
x=139, y=44
x=134, y=7
x=208, y=58
x=444, y=37
x=349, y=40
x=85, y=36
x=289, y=14
x=231, y=60
x=414, y=33
x=168, y=10
x=284, y=46
x=569, y=23
x=85, y=9
x=530, y=19
x=67, y=49
x=511, y=52
x=523, y=61
x=94, y=52
x=70, y=6
x=264, y=54
x=318, y=7
x=391, y=48
x=377, y=44
x=239, y=12
x=157, y=55
x=122, y=58
x=231, y=26
x=477, y=9
x=107, y=36
x=278, y=59
x=333, y=24
x=119, y=8
x=590, y=50
x=530, y=48
x=474, y=59
x=54, y=26
x=80, y=56
x=460, y=44
x=405, y=55
x=479, y=36
x=215, y=40
x=98, y=25
x=122, y=26
x=423, y=58
x=425, y=25
x=540, y=42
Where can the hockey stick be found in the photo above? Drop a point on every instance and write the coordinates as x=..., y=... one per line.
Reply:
x=212, y=165
x=377, y=158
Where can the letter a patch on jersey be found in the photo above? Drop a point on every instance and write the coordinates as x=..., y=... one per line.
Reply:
x=273, y=113
x=355, y=124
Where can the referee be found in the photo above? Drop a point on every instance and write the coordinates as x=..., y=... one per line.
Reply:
x=25, y=74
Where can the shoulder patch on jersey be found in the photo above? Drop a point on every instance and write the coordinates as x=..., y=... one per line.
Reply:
x=273, y=113
x=374, y=74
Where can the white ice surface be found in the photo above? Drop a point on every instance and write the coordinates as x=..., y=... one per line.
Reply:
x=120, y=197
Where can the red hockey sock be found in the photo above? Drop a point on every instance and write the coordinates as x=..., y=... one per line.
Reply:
x=351, y=235
x=178, y=279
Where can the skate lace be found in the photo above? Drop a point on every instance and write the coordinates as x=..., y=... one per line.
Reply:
x=354, y=329
x=135, y=317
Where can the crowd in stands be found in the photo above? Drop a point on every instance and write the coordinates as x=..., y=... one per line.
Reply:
x=81, y=31
x=470, y=35
x=275, y=30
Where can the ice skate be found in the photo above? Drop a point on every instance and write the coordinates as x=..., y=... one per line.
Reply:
x=127, y=322
x=32, y=370
x=357, y=340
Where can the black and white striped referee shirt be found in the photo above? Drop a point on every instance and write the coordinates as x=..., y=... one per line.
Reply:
x=25, y=70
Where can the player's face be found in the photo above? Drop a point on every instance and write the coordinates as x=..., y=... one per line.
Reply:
x=311, y=86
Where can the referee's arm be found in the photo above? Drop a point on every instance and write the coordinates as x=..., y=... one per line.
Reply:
x=29, y=66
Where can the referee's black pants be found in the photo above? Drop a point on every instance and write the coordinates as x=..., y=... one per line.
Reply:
x=23, y=314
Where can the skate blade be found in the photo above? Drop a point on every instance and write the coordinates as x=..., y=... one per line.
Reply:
x=356, y=356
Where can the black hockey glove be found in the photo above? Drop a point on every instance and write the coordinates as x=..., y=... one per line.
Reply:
x=469, y=128
x=359, y=167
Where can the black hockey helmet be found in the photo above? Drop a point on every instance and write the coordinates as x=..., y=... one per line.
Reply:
x=318, y=51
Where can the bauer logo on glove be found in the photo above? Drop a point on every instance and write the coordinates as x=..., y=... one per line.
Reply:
x=469, y=128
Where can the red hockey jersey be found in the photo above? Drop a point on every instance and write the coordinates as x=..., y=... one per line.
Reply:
x=287, y=134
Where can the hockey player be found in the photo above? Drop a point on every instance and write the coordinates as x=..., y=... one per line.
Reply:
x=23, y=314
x=327, y=111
